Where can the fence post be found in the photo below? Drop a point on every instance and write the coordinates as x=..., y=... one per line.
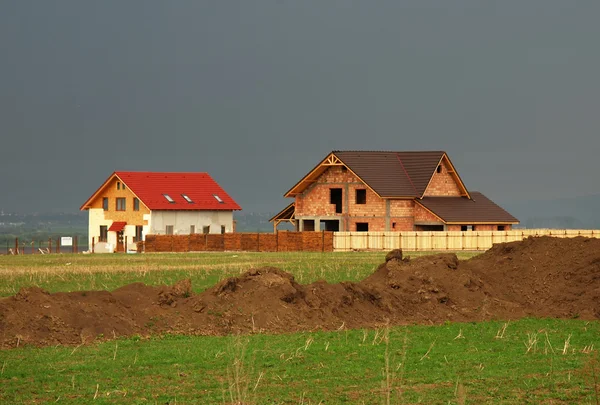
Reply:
x=57, y=245
x=16, y=246
x=49, y=245
x=93, y=243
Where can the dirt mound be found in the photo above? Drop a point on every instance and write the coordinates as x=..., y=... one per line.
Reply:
x=542, y=277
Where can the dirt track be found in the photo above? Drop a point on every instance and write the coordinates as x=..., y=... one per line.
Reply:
x=540, y=277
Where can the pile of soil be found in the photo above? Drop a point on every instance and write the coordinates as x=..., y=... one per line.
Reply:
x=539, y=277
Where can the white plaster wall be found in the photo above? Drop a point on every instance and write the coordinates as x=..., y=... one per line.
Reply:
x=96, y=218
x=181, y=221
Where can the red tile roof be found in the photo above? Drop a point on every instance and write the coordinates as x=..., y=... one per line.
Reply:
x=151, y=188
x=117, y=226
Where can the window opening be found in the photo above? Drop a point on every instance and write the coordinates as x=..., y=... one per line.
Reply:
x=188, y=199
x=169, y=199
x=121, y=204
x=103, y=233
x=362, y=227
x=335, y=197
x=139, y=233
x=361, y=196
x=169, y=230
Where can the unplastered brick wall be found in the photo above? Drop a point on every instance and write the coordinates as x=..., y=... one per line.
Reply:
x=250, y=242
x=316, y=199
x=374, y=205
x=375, y=224
x=443, y=184
x=402, y=224
x=422, y=215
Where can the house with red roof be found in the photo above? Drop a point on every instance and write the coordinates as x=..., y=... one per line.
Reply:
x=130, y=205
x=389, y=191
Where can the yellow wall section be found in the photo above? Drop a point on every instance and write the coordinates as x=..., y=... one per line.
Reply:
x=129, y=215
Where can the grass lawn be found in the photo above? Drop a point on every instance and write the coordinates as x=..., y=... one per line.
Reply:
x=75, y=272
x=529, y=361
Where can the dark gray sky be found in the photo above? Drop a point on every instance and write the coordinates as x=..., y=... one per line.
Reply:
x=257, y=92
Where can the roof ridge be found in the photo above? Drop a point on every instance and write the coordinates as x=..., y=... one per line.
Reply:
x=388, y=151
x=405, y=172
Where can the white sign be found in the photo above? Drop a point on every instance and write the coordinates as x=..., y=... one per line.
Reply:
x=66, y=241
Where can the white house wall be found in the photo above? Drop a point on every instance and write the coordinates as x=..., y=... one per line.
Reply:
x=181, y=221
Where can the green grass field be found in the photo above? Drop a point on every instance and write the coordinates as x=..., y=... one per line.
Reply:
x=529, y=361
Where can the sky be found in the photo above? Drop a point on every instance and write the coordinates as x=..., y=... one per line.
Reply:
x=257, y=92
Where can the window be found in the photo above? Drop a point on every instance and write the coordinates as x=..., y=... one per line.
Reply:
x=393, y=225
x=222, y=228
x=139, y=233
x=218, y=199
x=169, y=230
x=467, y=228
x=169, y=199
x=136, y=204
x=361, y=196
x=121, y=204
x=335, y=197
x=118, y=185
x=105, y=203
x=500, y=227
x=362, y=227
x=103, y=233
x=206, y=229
x=439, y=169
x=188, y=199
x=192, y=229
x=124, y=188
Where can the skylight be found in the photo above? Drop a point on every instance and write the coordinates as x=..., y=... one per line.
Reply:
x=169, y=199
x=188, y=199
x=218, y=199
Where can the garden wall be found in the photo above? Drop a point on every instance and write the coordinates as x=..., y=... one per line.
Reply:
x=247, y=242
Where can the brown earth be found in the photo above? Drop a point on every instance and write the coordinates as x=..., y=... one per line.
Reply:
x=538, y=277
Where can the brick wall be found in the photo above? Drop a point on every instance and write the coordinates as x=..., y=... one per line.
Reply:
x=422, y=215
x=249, y=242
x=443, y=184
x=316, y=199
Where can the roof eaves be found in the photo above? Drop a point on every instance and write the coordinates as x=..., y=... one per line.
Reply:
x=95, y=194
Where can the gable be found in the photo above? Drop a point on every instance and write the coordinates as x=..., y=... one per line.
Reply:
x=445, y=181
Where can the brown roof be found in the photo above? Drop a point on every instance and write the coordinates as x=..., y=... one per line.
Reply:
x=479, y=209
x=393, y=174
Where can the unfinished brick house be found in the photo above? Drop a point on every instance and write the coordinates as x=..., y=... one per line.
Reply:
x=389, y=191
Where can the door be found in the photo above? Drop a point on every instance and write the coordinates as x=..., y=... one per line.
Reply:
x=120, y=240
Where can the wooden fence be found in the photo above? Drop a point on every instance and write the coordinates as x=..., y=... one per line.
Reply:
x=440, y=241
x=247, y=242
